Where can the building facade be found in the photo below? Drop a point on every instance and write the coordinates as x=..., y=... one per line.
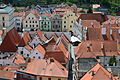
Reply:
x=6, y=17
x=56, y=22
x=67, y=21
x=45, y=23
x=31, y=21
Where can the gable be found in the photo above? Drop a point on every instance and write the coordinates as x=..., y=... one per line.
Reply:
x=100, y=75
x=31, y=16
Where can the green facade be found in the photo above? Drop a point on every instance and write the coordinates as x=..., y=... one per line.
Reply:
x=45, y=23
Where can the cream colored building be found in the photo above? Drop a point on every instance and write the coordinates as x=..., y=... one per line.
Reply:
x=67, y=21
x=6, y=17
x=31, y=21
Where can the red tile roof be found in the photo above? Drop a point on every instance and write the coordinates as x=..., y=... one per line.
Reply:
x=40, y=49
x=10, y=41
x=18, y=59
x=40, y=34
x=93, y=16
x=90, y=23
x=6, y=75
x=28, y=47
x=97, y=73
x=49, y=67
x=94, y=34
x=94, y=48
x=25, y=39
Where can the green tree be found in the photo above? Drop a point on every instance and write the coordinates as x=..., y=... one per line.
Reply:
x=112, y=61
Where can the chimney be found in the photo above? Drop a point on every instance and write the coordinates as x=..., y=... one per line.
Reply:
x=92, y=24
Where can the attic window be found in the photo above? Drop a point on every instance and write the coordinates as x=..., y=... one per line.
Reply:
x=49, y=78
x=40, y=78
x=39, y=57
x=62, y=69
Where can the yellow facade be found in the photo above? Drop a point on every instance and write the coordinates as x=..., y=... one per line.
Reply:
x=67, y=21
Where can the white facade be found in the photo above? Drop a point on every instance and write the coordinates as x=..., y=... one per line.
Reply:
x=79, y=31
x=18, y=22
x=23, y=51
x=6, y=17
x=31, y=22
x=36, y=54
x=35, y=42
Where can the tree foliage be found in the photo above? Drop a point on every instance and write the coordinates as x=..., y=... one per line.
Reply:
x=112, y=61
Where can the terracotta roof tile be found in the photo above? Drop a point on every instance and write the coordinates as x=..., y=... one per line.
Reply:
x=40, y=49
x=39, y=33
x=94, y=48
x=6, y=75
x=19, y=59
x=97, y=73
x=28, y=47
x=25, y=39
x=93, y=16
x=49, y=67
x=90, y=23
x=10, y=41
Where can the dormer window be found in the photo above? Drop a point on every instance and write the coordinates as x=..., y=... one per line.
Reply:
x=103, y=31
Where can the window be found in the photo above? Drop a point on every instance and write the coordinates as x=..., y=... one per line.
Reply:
x=64, y=26
x=30, y=25
x=71, y=21
x=3, y=18
x=70, y=26
x=65, y=17
x=49, y=78
x=27, y=55
x=21, y=52
x=40, y=78
x=33, y=25
x=36, y=53
x=35, y=21
x=29, y=17
x=18, y=24
x=59, y=79
x=26, y=21
x=32, y=18
x=58, y=21
x=33, y=56
x=36, y=25
x=30, y=21
x=39, y=57
x=48, y=22
x=64, y=21
x=3, y=24
x=26, y=25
